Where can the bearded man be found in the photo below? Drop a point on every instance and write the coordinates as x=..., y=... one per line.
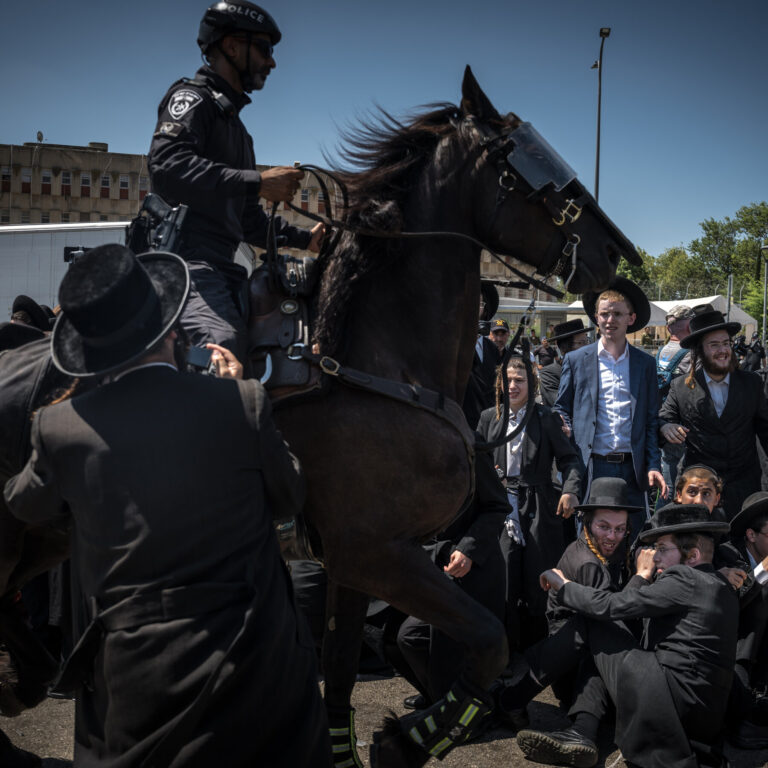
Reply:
x=717, y=410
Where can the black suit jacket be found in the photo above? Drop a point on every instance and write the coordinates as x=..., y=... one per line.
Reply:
x=727, y=442
x=691, y=615
x=547, y=535
x=171, y=482
x=549, y=383
x=481, y=387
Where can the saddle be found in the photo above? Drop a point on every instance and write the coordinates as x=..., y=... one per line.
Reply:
x=279, y=326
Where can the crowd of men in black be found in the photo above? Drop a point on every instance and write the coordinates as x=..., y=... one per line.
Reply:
x=621, y=536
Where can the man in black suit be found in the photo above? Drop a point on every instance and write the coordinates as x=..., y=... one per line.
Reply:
x=170, y=482
x=569, y=336
x=718, y=411
x=670, y=692
x=749, y=701
x=481, y=386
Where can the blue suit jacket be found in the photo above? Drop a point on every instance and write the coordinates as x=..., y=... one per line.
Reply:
x=577, y=401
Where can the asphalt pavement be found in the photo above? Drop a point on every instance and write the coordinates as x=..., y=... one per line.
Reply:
x=47, y=731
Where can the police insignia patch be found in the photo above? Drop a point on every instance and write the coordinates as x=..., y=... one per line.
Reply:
x=168, y=129
x=182, y=101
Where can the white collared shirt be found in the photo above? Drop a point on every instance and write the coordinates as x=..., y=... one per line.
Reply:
x=479, y=347
x=613, y=427
x=760, y=574
x=719, y=391
x=515, y=446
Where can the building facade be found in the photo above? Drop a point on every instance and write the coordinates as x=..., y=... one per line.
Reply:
x=43, y=183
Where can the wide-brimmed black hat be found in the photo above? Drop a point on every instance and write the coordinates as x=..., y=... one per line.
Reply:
x=706, y=322
x=115, y=307
x=609, y=493
x=682, y=518
x=632, y=291
x=567, y=329
x=754, y=505
x=37, y=314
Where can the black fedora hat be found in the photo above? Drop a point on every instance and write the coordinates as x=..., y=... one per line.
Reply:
x=115, y=307
x=567, y=329
x=682, y=518
x=490, y=295
x=706, y=322
x=609, y=493
x=754, y=505
x=37, y=314
x=632, y=291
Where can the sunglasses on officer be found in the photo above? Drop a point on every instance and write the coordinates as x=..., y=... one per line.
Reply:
x=263, y=46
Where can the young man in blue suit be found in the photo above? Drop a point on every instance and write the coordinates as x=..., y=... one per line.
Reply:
x=609, y=396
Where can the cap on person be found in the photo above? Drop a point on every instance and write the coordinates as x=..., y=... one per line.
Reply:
x=500, y=325
x=679, y=312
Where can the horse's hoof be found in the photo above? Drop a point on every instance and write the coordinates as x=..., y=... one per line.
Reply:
x=392, y=749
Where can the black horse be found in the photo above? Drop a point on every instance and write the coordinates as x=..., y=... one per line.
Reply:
x=383, y=476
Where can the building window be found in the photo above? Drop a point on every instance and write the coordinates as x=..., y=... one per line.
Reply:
x=85, y=185
x=123, y=187
x=45, y=217
x=5, y=217
x=105, y=185
x=66, y=183
x=320, y=202
x=25, y=217
x=103, y=217
x=26, y=179
x=45, y=182
x=5, y=179
x=65, y=218
x=143, y=186
x=304, y=199
x=85, y=216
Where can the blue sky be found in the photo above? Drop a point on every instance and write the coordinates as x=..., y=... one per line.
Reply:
x=685, y=113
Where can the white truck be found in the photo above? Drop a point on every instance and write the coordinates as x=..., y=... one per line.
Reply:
x=32, y=257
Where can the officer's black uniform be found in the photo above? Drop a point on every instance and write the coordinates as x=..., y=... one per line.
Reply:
x=202, y=156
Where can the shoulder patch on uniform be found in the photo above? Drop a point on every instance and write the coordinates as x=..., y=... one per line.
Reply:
x=182, y=101
x=168, y=129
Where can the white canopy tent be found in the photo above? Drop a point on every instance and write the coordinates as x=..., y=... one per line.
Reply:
x=659, y=311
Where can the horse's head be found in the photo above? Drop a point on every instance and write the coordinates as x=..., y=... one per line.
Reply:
x=528, y=203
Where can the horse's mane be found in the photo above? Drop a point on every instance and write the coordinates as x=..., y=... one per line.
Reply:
x=385, y=156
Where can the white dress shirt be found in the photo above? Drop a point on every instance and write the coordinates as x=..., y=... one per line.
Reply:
x=719, y=392
x=515, y=446
x=613, y=428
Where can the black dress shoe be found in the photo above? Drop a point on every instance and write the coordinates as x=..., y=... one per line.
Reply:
x=417, y=701
x=749, y=736
x=566, y=747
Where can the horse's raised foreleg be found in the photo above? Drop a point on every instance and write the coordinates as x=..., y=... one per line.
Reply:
x=416, y=587
x=342, y=639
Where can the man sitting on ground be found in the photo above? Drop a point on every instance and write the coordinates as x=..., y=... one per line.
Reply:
x=670, y=692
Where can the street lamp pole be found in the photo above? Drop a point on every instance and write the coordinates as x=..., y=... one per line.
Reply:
x=604, y=32
x=764, y=254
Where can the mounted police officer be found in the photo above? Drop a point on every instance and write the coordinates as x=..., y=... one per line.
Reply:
x=202, y=156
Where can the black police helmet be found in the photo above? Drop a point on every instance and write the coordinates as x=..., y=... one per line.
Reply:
x=224, y=18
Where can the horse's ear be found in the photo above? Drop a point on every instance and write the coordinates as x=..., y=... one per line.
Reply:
x=474, y=101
